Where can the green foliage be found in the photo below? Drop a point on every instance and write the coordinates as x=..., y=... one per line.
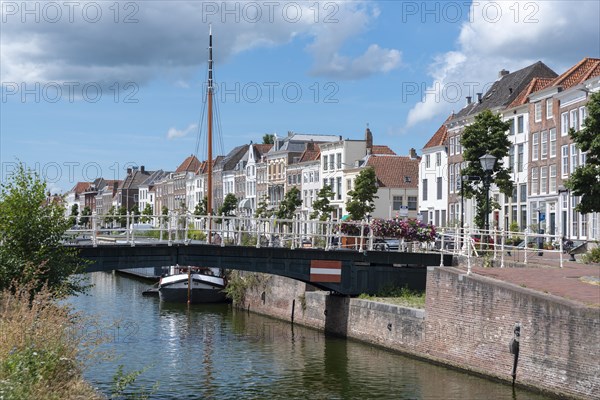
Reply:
x=268, y=138
x=32, y=233
x=228, y=207
x=196, y=234
x=248, y=239
x=486, y=135
x=585, y=180
x=362, y=197
x=135, y=210
x=322, y=206
x=201, y=207
x=402, y=296
x=147, y=212
x=74, y=214
x=122, y=383
x=592, y=256
x=289, y=204
x=262, y=209
x=85, y=216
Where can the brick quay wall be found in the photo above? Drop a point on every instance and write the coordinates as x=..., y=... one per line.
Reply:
x=468, y=323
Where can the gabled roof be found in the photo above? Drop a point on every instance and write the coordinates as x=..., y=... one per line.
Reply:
x=311, y=153
x=580, y=72
x=506, y=89
x=440, y=136
x=190, y=164
x=135, y=179
x=229, y=162
x=262, y=148
x=535, y=85
x=80, y=187
x=382, y=150
x=395, y=171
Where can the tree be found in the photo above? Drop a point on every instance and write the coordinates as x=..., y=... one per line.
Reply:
x=74, y=214
x=85, y=216
x=585, y=180
x=32, y=232
x=111, y=217
x=268, y=138
x=487, y=135
x=229, y=205
x=122, y=216
x=135, y=210
x=322, y=207
x=362, y=197
x=201, y=207
x=147, y=213
x=262, y=209
x=291, y=201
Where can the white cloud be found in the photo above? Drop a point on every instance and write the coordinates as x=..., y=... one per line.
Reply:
x=175, y=133
x=558, y=33
x=163, y=39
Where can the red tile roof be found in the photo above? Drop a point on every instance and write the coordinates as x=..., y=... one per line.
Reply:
x=263, y=148
x=311, y=153
x=379, y=149
x=580, y=72
x=190, y=164
x=81, y=187
x=440, y=136
x=395, y=172
x=535, y=85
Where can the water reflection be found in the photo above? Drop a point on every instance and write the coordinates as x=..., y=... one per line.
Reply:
x=214, y=351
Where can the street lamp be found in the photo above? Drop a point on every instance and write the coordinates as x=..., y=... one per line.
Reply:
x=487, y=163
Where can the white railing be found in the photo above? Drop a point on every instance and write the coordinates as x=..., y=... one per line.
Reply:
x=499, y=246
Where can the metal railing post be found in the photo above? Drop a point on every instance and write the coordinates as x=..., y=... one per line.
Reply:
x=258, y=223
x=442, y=249
x=127, y=226
x=132, y=232
x=169, y=241
x=525, y=248
x=187, y=229
x=371, y=237
x=362, y=235
x=468, y=244
x=560, y=248
x=502, y=232
x=239, y=222
x=94, y=230
x=223, y=231
x=294, y=229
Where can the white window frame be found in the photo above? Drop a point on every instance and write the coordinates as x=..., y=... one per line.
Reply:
x=543, y=180
x=544, y=145
x=573, y=119
x=574, y=158
x=582, y=116
x=534, y=181
x=564, y=151
x=520, y=126
x=549, y=108
x=427, y=161
x=537, y=111
x=451, y=146
x=552, y=142
x=564, y=124
x=535, y=146
x=552, y=179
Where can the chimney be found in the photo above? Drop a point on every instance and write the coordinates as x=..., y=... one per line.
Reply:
x=468, y=100
x=413, y=153
x=479, y=97
x=503, y=73
x=369, y=140
x=142, y=169
x=128, y=171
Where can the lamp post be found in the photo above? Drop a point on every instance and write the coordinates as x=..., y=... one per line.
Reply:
x=487, y=163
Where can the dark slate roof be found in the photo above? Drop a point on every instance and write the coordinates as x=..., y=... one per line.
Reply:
x=135, y=179
x=506, y=89
x=229, y=162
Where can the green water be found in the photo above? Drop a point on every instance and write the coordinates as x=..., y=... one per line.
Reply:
x=217, y=352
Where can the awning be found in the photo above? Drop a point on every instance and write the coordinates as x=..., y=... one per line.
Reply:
x=246, y=203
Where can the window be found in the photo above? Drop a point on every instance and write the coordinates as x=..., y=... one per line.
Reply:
x=396, y=203
x=451, y=146
x=552, y=142
x=538, y=111
x=564, y=124
x=520, y=155
x=439, y=188
x=511, y=158
x=573, y=122
x=573, y=157
x=325, y=163
x=552, y=182
x=412, y=202
x=582, y=116
x=520, y=125
x=543, y=180
x=513, y=198
x=339, y=161
x=427, y=161
x=565, y=160
x=549, y=109
x=339, y=187
x=582, y=158
x=534, y=180
x=458, y=147
x=523, y=190
x=511, y=126
x=438, y=159
x=348, y=184
x=523, y=217
x=424, y=195
x=535, y=146
x=544, y=145
x=451, y=175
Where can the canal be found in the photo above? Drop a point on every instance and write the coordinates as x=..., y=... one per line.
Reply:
x=215, y=351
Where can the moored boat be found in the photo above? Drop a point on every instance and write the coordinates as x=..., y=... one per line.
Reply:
x=196, y=284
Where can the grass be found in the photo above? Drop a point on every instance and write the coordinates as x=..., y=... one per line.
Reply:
x=40, y=356
x=401, y=296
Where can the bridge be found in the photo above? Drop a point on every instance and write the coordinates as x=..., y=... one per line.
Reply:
x=346, y=272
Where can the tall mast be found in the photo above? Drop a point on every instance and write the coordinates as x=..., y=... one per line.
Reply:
x=210, y=125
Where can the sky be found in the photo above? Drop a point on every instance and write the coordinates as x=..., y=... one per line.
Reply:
x=89, y=88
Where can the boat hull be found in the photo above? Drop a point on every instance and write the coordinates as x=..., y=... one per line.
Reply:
x=205, y=289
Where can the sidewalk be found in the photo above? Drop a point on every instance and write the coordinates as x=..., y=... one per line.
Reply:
x=576, y=281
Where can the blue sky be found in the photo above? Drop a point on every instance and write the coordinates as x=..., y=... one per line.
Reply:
x=89, y=88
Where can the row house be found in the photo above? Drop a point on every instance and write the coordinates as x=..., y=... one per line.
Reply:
x=254, y=159
x=501, y=95
x=224, y=174
x=147, y=191
x=106, y=197
x=128, y=192
x=433, y=174
x=75, y=196
x=181, y=177
x=554, y=110
x=310, y=167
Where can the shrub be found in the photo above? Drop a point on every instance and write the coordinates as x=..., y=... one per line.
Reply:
x=592, y=256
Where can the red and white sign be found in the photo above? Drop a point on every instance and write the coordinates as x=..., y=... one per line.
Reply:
x=325, y=271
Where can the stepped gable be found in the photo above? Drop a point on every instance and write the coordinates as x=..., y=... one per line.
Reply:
x=395, y=171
